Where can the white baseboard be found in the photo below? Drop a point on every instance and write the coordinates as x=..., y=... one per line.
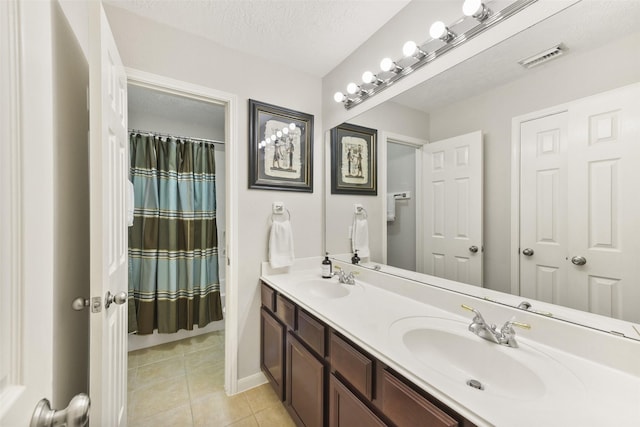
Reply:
x=251, y=381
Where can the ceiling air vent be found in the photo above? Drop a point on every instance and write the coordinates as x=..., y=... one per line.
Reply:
x=542, y=57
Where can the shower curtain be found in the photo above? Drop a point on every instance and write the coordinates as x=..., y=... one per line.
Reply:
x=173, y=253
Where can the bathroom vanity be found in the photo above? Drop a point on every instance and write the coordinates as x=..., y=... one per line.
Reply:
x=391, y=351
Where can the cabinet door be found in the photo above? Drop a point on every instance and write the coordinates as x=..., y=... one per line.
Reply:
x=272, y=336
x=346, y=410
x=407, y=408
x=305, y=384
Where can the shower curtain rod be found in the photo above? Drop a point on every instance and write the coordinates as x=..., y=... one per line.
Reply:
x=166, y=135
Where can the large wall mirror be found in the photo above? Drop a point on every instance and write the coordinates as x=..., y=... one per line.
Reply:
x=488, y=99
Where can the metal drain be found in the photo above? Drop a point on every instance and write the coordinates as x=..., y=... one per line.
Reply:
x=475, y=384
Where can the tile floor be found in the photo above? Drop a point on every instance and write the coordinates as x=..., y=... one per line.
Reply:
x=182, y=384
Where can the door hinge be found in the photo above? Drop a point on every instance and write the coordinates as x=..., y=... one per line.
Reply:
x=96, y=304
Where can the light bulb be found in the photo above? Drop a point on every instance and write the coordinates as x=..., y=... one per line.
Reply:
x=339, y=97
x=471, y=7
x=352, y=88
x=475, y=9
x=386, y=64
x=273, y=137
x=368, y=77
x=279, y=134
x=409, y=48
x=437, y=30
x=292, y=126
x=285, y=130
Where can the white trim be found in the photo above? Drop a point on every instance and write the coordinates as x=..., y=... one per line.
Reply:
x=516, y=122
x=11, y=196
x=251, y=381
x=176, y=87
x=418, y=144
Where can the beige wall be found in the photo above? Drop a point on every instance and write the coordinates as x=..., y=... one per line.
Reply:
x=565, y=79
x=159, y=49
x=71, y=211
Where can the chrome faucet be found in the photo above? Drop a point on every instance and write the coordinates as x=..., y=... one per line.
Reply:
x=347, y=279
x=505, y=336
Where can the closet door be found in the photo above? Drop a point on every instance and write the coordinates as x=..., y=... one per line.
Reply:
x=579, y=229
x=604, y=229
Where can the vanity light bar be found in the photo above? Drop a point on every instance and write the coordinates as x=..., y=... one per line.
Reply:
x=485, y=20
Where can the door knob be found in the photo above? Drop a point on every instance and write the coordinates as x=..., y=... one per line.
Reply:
x=473, y=249
x=119, y=298
x=579, y=260
x=79, y=304
x=527, y=252
x=76, y=414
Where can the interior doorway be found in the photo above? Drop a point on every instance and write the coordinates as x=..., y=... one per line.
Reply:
x=224, y=121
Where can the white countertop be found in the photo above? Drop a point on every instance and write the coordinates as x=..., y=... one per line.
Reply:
x=586, y=377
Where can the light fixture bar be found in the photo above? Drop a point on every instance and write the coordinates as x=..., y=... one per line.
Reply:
x=493, y=19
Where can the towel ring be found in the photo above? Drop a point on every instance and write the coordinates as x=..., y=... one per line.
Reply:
x=362, y=211
x=281, y=213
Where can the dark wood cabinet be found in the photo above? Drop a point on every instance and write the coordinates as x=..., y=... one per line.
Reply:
x=327, y=380
x=405, y=407
x=346, y=410
x=272, y=336
x=305, y=384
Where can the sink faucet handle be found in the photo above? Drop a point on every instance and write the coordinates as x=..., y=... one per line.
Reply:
x=510, y=323
x=478, y=317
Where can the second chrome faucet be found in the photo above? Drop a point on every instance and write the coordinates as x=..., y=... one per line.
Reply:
x=347, y=279
x=506, y=335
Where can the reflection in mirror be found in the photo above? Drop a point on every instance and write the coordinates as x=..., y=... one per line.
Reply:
x=494, y=94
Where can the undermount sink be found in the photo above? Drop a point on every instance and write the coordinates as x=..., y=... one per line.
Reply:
x=326, y=288
x=448, y=348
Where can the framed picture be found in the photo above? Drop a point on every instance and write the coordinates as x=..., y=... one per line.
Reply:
x=354, y=167
x=280, y=148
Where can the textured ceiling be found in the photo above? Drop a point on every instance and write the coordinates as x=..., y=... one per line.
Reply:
x=313, y=36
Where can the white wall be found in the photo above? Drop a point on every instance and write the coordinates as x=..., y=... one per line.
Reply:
x=567, y=78
x=159, y=49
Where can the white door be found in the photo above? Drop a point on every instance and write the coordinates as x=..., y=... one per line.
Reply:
x=109, y=165
x=543, y=207
x=603, y=197
x=579, y=205
x=453, y=208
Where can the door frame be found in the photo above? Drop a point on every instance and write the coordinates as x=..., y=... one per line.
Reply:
x=230, y=101
x=418, y=144
x=516, y=142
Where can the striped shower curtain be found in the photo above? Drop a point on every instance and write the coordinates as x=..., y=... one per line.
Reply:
x=173, y=247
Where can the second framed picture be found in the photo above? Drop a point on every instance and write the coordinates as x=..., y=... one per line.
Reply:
x=354, y=167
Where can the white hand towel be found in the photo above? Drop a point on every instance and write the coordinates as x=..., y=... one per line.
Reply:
x=360, y=237
x=281, y=244
x=131, y=203
x=391, y=208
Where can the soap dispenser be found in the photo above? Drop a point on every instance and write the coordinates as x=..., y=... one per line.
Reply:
x=355, y=259
x=326, y=267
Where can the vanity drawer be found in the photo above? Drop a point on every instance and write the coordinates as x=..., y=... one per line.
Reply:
x=405, y=407
x=286, y=311
x=352, y=365
x=268, y=296
x=311, y=332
